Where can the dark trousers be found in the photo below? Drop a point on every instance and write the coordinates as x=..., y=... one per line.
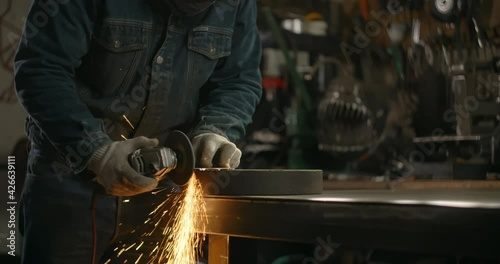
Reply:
x=59, y=212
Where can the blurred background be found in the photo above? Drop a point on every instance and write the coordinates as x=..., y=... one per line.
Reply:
x=370, y=90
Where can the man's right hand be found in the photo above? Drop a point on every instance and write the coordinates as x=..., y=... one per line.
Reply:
x=113, y=171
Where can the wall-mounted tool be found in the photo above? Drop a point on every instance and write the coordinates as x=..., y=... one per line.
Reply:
x=396, y=32
x=446, y=11
x=176, y=160
x=345, y=122
x=420, y=55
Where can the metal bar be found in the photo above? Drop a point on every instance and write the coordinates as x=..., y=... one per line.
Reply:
x=417, y=185
x=218, y=249
x=409, y=227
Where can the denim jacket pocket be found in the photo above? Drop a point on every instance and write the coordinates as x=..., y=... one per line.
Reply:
x=212, y=42
x=123, y=36
x=206, y=45
x=114, y=56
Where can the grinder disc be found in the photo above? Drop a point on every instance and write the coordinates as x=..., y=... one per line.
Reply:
x=180, y=144
x=260, y=182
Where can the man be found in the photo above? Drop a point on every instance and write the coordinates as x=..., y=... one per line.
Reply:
x=92, y=73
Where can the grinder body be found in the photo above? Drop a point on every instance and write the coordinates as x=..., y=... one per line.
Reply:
x=153, y=162
x=174, y=161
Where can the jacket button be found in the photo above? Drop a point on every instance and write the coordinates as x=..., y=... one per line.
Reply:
x=117, y=44
x=213, y=50
x=159, y=60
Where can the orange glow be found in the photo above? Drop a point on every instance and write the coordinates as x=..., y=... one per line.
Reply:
x=179, y=218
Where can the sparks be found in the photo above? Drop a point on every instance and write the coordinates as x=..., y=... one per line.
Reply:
x=121, y=251
x=131, y=246
x=179, y=222
x=182, y=241
x=154, y=249
x=128, y=121
x=138, y=259
x=140, y=245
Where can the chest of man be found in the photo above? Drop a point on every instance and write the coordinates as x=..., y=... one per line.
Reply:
x=145, y=67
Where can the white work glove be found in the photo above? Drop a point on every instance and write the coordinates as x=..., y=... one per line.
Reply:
x=207, y=145
x=113, y=171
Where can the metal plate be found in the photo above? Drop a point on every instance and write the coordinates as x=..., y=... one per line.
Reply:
x=260, y=182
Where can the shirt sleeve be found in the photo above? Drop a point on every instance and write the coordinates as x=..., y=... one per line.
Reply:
x=235, y=85
x=57, y=35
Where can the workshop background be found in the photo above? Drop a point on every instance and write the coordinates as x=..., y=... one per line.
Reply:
x=371, y=92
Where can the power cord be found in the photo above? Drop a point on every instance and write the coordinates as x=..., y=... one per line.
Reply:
x=94, y=228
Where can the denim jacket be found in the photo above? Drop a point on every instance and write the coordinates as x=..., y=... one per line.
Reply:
x=92, y=72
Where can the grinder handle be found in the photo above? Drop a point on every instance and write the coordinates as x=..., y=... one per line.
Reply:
x=153, y=162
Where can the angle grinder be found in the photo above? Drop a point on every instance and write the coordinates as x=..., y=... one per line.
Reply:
x=176, y=160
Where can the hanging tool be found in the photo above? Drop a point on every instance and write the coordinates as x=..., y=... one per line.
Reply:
x=346, y=123
x=446, y=11
x=420, y=55
x=396, y=32
x=451, y=11
x=176, y=160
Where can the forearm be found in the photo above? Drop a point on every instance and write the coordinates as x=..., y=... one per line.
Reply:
x=231, y=106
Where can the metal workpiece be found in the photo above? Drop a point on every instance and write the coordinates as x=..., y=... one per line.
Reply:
x=260, y=182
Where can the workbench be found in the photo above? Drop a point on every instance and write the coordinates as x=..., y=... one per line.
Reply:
x=454, y=222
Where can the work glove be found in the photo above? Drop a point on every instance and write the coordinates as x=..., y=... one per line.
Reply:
x=113, y=171
x=211, y=148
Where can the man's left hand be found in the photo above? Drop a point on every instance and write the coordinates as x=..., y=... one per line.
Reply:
x=207, y=145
